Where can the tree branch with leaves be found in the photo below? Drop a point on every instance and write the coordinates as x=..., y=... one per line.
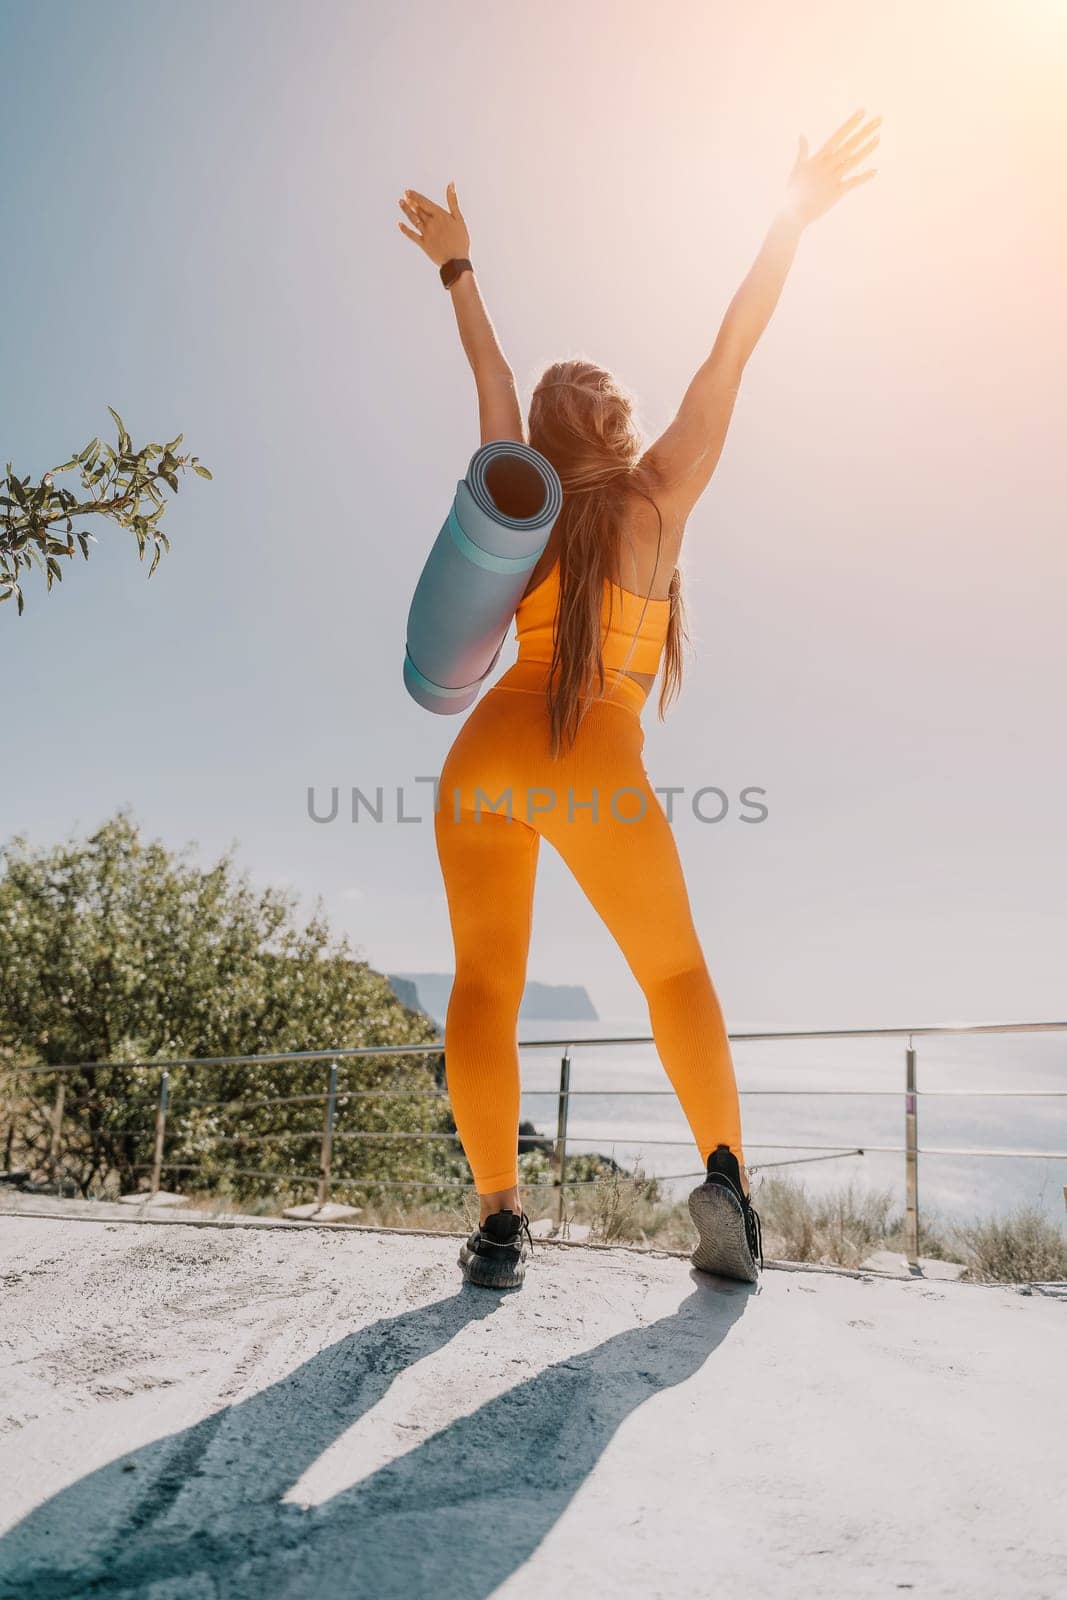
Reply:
x=37, y=520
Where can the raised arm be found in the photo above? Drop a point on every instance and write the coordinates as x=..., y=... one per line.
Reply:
x=687, y=453
x=442, y=235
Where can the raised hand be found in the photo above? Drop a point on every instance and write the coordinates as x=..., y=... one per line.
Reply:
x=817, y=182
x=441, y=234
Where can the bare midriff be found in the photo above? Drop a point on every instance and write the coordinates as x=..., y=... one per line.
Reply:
x=645, y=679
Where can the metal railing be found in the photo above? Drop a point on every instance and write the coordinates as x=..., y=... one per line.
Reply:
x=332, y=1097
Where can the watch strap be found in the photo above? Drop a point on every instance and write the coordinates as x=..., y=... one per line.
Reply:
x=452, y=269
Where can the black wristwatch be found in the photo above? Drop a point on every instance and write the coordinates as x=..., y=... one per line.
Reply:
x=452, y=269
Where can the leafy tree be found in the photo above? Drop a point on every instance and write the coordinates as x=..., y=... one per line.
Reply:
x=126, y=486
x=116, y=952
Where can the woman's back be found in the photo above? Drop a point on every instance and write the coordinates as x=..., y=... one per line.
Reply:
x=633, y=629
x=636, y=605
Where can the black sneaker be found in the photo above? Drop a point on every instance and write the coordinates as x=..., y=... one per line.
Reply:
x=731, y=1241
x=495, y=1254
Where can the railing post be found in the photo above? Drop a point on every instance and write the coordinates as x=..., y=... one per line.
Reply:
x=57, y=1127
x=327, y=1137
x=561, y=1131
x=13, y=1106
x=161, y=1130
x=911, y=1160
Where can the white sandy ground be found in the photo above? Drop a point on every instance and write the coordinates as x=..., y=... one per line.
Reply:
x=194, y=1412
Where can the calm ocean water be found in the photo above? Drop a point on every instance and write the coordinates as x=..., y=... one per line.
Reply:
x=639, y=1125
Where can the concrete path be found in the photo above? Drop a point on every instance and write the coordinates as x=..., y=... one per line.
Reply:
x=196, y=1412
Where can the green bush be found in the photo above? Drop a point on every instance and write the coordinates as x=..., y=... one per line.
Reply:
x=117, y=953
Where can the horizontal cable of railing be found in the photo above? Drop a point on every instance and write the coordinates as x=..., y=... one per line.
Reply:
x=607, y=1094
x=416, y=1183
x=342, y=1184
x=567, y=1042
x=609, y=1139
x=554, y=1094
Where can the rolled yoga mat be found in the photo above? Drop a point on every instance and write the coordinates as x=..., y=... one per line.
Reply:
x=475, y=575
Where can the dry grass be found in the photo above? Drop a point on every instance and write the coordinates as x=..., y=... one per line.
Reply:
x=838, y=1227
x=1024, y=1247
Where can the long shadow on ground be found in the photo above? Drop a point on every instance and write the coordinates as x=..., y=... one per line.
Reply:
x=453, y=1518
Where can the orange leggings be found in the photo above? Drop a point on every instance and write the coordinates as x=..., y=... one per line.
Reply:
x=596, y=805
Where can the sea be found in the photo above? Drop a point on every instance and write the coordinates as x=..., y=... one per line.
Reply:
x=622, y=1105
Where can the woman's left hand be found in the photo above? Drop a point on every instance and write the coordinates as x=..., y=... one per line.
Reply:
x=441, y=234
x=818, y=182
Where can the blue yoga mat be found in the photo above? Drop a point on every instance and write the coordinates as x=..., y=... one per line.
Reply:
x=494, y=535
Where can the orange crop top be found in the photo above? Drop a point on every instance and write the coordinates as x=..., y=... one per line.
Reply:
x=629, y=643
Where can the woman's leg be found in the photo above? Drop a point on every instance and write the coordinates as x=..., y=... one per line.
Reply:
x=489, y=865
x=632, y=874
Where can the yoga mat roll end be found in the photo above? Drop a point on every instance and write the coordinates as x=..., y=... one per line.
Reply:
x=434, y=697
x=476, y=573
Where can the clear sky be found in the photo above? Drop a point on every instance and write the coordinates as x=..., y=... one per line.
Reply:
x=200, y=230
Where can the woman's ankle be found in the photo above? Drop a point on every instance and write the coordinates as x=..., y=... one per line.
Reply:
x=499, y=1200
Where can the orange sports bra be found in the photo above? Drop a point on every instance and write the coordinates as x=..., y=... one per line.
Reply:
x=629, y=643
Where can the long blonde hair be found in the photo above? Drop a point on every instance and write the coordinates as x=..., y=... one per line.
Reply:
x=582, y=420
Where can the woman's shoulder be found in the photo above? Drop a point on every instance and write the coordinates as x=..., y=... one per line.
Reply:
x=651, y=485
x=652, y=519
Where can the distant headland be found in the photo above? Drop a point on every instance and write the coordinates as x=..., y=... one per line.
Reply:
x=541, y=1002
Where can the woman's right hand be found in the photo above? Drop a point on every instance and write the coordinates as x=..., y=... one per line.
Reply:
x=817, y=182
x=440, y=233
